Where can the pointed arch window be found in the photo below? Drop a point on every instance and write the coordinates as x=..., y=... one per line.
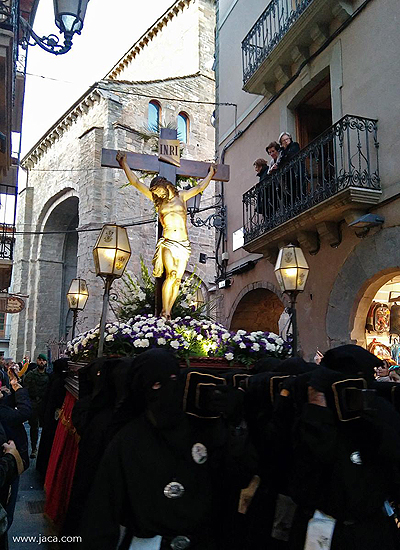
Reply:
x=183, y=127
x=154, y=116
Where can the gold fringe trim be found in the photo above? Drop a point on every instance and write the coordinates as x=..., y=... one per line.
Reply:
x=67, y=423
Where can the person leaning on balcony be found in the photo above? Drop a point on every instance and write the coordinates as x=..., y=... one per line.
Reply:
x=294, y=179
x=262, y=168
x=274, y=150
x=289, y=148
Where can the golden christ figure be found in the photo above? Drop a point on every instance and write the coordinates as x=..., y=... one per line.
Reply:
x=173, y=248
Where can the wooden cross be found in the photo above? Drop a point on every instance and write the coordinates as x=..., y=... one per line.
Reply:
x=151, y=163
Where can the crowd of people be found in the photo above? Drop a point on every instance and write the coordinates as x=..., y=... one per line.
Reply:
x=26, y=390
x=281, y=152
x=287, y=455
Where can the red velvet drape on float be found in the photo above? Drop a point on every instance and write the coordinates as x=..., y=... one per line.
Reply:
x=61, y=468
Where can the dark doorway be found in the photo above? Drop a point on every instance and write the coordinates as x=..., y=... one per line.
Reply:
x=314, y=113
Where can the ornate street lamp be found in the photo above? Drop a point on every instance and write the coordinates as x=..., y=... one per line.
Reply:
x=69, y=17
x=291, y=271
x=77, y=297
x=111, y=254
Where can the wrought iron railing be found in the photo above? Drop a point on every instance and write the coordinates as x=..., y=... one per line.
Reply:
x=345, y=155
x=269, y=29
x=7, y=237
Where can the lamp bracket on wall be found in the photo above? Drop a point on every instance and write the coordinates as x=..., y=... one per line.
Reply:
x=216, y=219
x=50, y=44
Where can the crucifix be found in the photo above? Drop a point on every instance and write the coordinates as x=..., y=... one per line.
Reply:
x=173, y=246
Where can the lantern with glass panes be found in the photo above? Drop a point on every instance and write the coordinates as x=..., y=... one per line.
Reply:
x=291, y=271
x=77, y=297
x=111, y=255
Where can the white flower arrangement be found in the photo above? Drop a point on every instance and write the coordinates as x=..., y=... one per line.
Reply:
x=184, y=336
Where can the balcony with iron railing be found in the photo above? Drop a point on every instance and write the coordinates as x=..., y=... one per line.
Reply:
x=7, y=233
x=7, y=238
x=336, y=174
x=284, y=36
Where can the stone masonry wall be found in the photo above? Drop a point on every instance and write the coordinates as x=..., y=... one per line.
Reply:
x=65, y=179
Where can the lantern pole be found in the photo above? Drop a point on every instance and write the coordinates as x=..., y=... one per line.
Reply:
x=74, y=320
x=293, y=320
x=106, y=297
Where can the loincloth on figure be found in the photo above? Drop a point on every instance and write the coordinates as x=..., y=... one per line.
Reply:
x=179, y=249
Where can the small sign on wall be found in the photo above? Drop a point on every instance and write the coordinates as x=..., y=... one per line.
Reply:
x=238, y=239
x=11, y=304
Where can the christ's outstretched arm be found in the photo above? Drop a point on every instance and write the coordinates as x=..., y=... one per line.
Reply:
x=201, y=187
x=133, y=180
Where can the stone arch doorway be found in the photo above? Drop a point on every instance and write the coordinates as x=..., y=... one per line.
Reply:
x=370, y=265
x=57, y=265
x=257, y=309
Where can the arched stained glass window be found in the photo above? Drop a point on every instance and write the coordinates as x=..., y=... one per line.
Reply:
x=154, y=116
x=183, y=127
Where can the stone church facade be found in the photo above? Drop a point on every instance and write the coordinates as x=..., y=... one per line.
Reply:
x=69, y=195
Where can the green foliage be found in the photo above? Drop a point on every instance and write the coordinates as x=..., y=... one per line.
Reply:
x=137, y=296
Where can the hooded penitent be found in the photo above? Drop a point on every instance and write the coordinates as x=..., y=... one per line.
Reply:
x=156, y=388
x=353, y=361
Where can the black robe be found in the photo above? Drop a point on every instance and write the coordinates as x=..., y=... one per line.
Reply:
x=326, y=477
x=55, y=399
x=139, y=463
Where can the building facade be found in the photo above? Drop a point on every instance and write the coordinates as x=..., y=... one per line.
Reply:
x=12, y=90
x=69, y=195
x=320, y=70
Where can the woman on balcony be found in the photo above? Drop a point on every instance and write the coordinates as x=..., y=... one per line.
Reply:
x=261, y=168
x=293, y=180
x=289, y=148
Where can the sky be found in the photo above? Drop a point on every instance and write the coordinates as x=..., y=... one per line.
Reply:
x=54, y=83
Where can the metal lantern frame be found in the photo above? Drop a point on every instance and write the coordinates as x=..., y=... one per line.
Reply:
x=69, y=15
x=77, y=296
x=112, y=251
x=291, y=269
x=111, y=254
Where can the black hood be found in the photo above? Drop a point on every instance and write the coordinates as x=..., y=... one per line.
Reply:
x=353, y=361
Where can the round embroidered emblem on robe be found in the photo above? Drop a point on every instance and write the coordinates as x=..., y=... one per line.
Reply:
x=199, y=453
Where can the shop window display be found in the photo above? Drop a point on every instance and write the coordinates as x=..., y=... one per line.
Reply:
x=383, y=323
